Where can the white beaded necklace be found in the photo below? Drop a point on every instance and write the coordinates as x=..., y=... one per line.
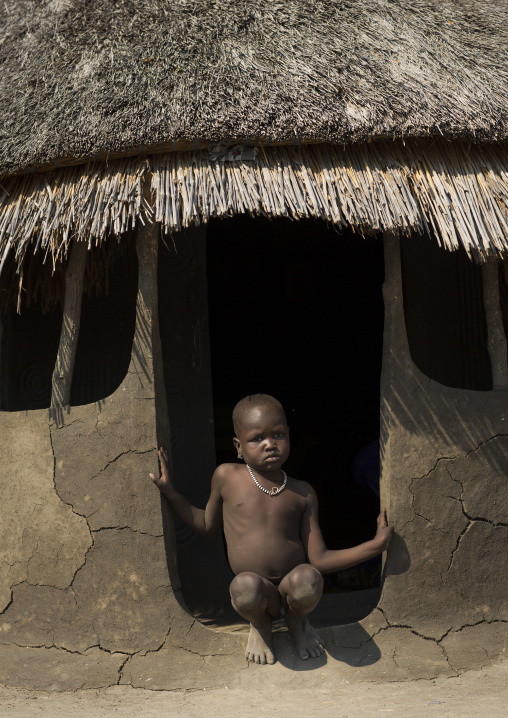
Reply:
x=276, y=490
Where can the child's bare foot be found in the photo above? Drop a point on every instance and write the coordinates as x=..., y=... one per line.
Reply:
x=259, y=645
x=308, y=642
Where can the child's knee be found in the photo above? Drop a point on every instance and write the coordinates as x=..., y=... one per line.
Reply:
x=246, y=590
x=305, y=584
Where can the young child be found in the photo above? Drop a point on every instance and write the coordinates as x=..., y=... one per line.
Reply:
x=274, y=543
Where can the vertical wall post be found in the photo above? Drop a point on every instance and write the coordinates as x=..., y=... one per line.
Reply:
x=496, y=341
x=64, y=365
x=147, y=343
x=146, y=361
x=397, y=360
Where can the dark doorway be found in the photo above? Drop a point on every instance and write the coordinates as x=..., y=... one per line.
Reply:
x=296, y=311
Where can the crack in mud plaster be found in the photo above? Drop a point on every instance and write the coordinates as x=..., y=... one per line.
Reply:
x=142, y=652
x=421, y=386
x=457, y=545
x=68, y=650
x=482, y=443
x=56, y=490
x=482, y=519
x=190, y=628
x=123, y=453
x=203, y=655
x=11, y=598
x=120, y=670
x=114, y=528
x=386, y=628
x=14, y=563
x=419, y=478
x=126, y=528
x=84, y=562
x=467, y=515
x=437, y=641
x=394, y=657
x=470, y=625
x=87, y=516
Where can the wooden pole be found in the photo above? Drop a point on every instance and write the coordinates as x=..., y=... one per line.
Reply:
x=496, y=342
x=64, y=365
x=146, y=348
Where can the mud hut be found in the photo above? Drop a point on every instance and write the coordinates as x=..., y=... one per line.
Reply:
x=129, y=130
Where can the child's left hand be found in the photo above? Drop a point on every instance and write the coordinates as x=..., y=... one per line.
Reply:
x=384, y=532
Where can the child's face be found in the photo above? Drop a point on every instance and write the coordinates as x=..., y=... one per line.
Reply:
x=263, y=438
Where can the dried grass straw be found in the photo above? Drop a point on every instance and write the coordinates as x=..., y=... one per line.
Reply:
x=455, y=190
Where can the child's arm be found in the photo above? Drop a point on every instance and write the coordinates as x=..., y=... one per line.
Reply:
x=203, y=521
x=327, y=561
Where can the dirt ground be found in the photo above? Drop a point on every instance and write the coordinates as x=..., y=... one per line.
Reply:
x=474, y=693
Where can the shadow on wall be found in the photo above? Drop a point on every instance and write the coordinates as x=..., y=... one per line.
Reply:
x=442, y=396
x=440, y=417
x=30, y=344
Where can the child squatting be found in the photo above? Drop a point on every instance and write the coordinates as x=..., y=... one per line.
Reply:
x=274, y=543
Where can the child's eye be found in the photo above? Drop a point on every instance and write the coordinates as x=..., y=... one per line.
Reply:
x=256, y=438
x=279, y=435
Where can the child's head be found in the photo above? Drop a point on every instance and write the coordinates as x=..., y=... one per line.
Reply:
x=261, y=432
x=254, y=401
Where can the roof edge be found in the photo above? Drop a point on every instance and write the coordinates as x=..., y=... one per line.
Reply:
x=455, y=191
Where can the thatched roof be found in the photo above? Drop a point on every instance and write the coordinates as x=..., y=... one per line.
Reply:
x=379, y=115
x=81, y=77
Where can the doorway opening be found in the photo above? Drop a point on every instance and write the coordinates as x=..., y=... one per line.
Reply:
x=296, y=310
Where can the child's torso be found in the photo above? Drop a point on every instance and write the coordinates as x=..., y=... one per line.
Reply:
x=262, y=532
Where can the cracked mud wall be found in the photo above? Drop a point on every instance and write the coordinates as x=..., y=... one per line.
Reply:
x=89, y=586
x=444, y=482
x=88, y=577
x=43, y=541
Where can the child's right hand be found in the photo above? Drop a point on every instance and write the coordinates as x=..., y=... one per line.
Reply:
x=165, y=481
x=384, y=532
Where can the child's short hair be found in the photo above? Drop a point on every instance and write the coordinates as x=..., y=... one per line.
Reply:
x=251, y=402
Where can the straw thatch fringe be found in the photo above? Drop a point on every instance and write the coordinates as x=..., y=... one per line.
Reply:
x=456, y=191
x=44, y=212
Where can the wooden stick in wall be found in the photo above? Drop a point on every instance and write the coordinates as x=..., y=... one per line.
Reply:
x=64, y=365
x=495, y=330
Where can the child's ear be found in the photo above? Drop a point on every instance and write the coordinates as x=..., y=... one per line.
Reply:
x=237, y=444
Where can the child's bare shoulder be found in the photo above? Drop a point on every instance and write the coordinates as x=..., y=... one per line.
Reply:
x=224, y=473
x=301, y=487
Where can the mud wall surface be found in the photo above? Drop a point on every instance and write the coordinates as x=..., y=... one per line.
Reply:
x=444, y=481
x=88, y=579
x=89, y=588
